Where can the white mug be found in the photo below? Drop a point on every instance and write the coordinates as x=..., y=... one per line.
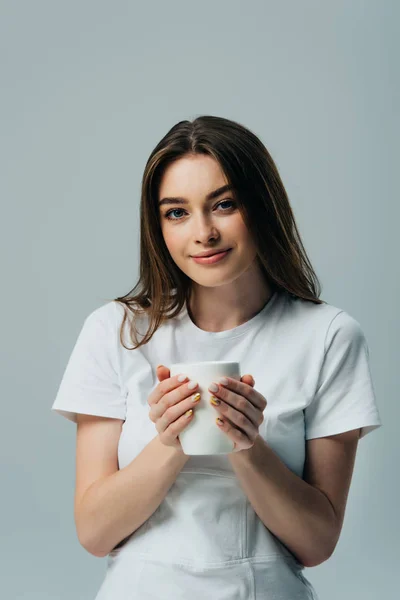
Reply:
x=202, y=435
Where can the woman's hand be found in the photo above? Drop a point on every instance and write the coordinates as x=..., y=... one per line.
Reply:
x=170, y=405
x=240, y=410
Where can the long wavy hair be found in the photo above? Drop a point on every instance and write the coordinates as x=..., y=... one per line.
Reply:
x=163, y=289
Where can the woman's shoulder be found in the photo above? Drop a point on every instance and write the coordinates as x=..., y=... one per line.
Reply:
x=324, y=315
x=114, y=309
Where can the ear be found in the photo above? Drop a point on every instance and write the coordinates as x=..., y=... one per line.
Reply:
x=162, y=372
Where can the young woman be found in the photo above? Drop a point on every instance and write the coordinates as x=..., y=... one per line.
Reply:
x=243, y=525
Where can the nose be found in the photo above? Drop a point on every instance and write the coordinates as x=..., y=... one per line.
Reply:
x=205, y=235
x=205, y=230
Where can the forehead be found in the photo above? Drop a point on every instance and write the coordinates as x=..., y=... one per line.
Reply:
x=194, y=175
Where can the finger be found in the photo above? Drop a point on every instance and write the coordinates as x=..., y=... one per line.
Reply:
x=166, y=385
x=176, y=427
x=247, y=391
x=170, y=399
x=239, y=411
x=174, y=416
x=240, y=438
x=249, y=379
x=162, y=373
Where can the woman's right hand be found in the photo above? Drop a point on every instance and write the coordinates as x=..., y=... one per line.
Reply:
x=169, y=403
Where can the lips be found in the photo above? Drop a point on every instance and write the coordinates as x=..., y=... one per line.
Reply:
x=212, y=253
x=213, y=259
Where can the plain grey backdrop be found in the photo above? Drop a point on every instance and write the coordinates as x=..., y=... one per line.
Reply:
x=87, y=90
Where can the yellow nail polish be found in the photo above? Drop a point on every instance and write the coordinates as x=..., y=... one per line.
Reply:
x=196, y=397
x=189, y=413
x=215, y=401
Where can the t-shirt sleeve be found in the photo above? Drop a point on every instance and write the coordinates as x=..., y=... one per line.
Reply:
x=91, y=381
x=345, y=397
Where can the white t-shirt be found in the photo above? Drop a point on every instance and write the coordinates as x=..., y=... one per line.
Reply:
x=311, y=363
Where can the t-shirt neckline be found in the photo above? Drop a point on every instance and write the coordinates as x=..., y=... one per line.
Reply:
x=203, y=335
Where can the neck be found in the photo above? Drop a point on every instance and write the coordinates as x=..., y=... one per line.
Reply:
x=219, y=309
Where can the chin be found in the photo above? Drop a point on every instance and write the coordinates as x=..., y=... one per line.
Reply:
x=214, y=280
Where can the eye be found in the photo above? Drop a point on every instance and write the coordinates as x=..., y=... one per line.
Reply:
x=173, y=210
x=167, y=214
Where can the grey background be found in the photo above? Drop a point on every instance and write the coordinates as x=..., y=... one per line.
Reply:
x=87, y=89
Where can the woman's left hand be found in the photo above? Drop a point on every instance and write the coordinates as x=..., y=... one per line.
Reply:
x=241, y=410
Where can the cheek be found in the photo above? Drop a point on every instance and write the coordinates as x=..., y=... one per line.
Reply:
x=172, y=241
x=243, y=237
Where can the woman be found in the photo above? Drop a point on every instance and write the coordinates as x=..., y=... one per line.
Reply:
x=236, y=526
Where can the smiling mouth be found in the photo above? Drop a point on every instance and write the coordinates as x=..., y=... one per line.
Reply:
x=214, y=258
x=213, y=254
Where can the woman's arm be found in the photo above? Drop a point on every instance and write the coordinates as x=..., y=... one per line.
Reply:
x=305, y=515
x=113, y=507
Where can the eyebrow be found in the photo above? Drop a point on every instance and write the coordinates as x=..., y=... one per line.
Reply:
x=210, y=196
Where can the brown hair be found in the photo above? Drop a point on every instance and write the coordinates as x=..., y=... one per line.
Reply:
x=163, y=289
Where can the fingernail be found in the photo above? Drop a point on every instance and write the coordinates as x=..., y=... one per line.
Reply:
x=215, y=401
x=192, y=385
x=196, y=397
x=213, y=387
x=223, y=380
x=182, y=377
x=219, y=421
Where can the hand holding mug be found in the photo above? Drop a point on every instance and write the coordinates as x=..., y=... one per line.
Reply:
x=240, y=410
x=170, y=405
